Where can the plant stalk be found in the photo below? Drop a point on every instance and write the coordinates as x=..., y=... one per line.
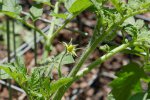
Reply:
x=58, y=95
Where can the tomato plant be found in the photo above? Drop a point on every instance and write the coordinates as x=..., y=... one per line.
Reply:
x=119, y=17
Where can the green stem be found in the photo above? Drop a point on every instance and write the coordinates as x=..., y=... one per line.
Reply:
x=94, y=64
x=89, y=49
x=102, y=59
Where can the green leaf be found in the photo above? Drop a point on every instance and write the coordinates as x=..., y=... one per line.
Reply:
x=38, y=85
x=139, y=23
x=75, y=6
x=125, y=83
x=57, y=84
x=130, y=20
x=11, y=6
x=36, y=12
x=143, y=38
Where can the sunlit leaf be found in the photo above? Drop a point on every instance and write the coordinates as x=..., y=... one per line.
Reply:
x=74, y=6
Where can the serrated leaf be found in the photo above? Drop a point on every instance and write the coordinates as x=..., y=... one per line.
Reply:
x=130, y=20
x=127, y=78
x=75, y=6
x=36, y=12
x=139, y=23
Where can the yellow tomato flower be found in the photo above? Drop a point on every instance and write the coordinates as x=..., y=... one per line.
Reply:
x=70, y=48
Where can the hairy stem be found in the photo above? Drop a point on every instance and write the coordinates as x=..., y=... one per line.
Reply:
x=58, y=95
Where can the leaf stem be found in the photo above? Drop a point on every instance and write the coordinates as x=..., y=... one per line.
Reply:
x=60, y=64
